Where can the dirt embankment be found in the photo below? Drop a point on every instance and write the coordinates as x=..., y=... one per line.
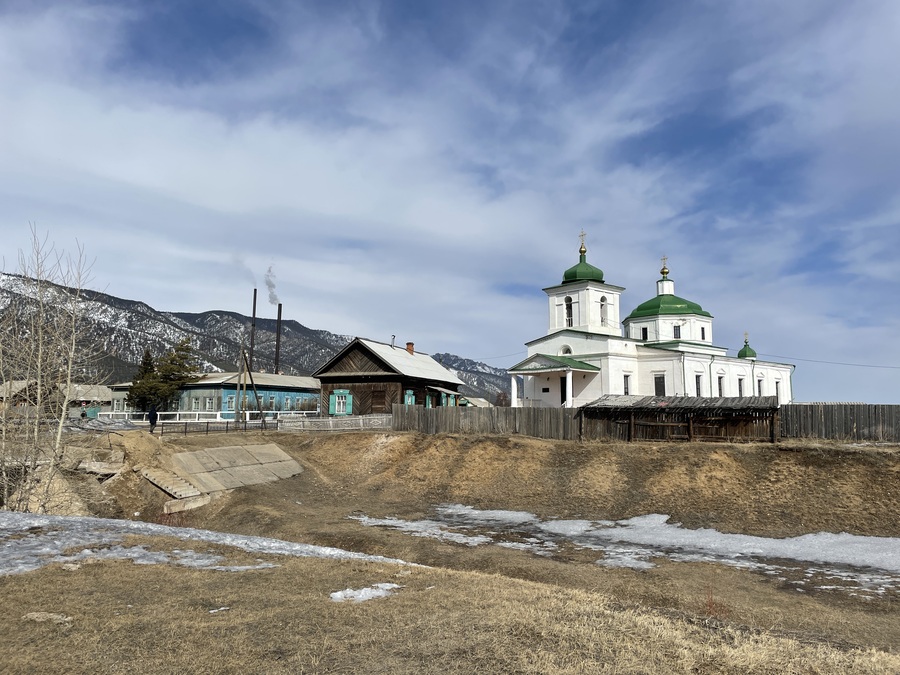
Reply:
x=753, y=489
x=774, y=491
x=767, y=490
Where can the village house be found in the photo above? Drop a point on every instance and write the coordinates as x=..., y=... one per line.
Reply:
x=89, y=399
x=214, y=395
x=664, y=347
x=368, y=377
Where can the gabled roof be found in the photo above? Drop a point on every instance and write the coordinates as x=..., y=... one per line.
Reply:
x=11, y=388
x=545, y=362
x=77, y=392
x=416, y=365
x=89, y=392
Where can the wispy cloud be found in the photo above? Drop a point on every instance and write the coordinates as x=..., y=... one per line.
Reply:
x=409, y=169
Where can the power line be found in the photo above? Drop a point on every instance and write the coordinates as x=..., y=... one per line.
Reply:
x=833, y=363
x=502, y=356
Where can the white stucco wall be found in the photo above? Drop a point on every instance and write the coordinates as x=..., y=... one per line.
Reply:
x=595, y=307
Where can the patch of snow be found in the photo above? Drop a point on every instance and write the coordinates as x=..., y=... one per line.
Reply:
x=29, y=542
x=363, y=594
x=869, y=565
x=424, y=528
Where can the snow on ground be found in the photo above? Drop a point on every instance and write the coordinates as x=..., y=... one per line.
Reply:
x=864, y=566
x=29, y=542
x=868, y=567
x=363, y=594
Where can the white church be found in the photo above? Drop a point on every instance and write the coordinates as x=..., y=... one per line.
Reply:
x=663, y=348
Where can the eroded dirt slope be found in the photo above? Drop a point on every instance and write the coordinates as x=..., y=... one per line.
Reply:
x=752, y=489
x=764, y=490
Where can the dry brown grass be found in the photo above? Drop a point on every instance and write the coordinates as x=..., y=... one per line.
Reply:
x=155, y=619
x=488, y=609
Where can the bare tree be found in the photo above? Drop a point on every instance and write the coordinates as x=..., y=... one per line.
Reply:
x=40, y=351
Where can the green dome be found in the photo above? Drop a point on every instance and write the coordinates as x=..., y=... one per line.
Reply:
x=667, y=304
x=583, y=271
x=747, y=351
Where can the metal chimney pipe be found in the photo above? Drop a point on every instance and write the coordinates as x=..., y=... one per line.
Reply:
x=278, y=339
x=252, y=333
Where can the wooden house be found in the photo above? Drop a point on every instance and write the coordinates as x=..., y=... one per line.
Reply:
x=89, y=399
x=368, y=377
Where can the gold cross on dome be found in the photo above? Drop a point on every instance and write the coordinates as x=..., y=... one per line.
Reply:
x=582, y=235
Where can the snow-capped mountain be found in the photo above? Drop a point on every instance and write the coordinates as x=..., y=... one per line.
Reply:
x=121, y=329
x=481, y=379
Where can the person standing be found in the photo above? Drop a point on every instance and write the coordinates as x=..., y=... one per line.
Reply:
x=152, y=417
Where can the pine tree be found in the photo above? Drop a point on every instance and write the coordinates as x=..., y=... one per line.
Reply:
x=174, y=370
x=158, y=383
x=144, y=387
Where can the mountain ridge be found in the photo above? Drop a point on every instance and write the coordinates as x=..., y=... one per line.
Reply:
x=121, y=329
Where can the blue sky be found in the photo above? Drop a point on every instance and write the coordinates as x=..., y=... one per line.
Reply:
x=423, y=168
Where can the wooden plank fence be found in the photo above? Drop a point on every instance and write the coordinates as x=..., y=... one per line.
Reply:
x=841, y=421
x=560, y=424
x=837, y=421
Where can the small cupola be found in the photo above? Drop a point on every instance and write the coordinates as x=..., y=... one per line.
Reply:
x=666, y=302
x=747, y=351
x=583, y=271
x=665, y=286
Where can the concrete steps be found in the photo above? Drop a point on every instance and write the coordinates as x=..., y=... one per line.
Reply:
x=175, y=485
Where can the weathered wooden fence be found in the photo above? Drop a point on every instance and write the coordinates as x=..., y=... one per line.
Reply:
x=841, y=421
x=554, y=423
x=350, y=423
x=838, y=421
x=645, y=426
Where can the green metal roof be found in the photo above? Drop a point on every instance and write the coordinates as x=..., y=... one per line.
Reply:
x=667, y=304
x=583, y=271
x=563, y=361
x=747, y=351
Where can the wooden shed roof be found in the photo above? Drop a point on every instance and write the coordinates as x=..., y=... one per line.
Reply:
x=684, y=403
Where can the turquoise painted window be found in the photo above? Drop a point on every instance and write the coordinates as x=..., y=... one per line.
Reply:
x=409, y=397
x=340, y=402
x=443, y=399
x=452, y=400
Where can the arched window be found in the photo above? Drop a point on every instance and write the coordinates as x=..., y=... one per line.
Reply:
x=565, y=350
x=603, y=320
x=569, y=318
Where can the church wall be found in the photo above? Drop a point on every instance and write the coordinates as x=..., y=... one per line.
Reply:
x=582, y=345
x=586, y=387
x=594, y=308
x=652, y=365
x=662, y=329
x=534, y=386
